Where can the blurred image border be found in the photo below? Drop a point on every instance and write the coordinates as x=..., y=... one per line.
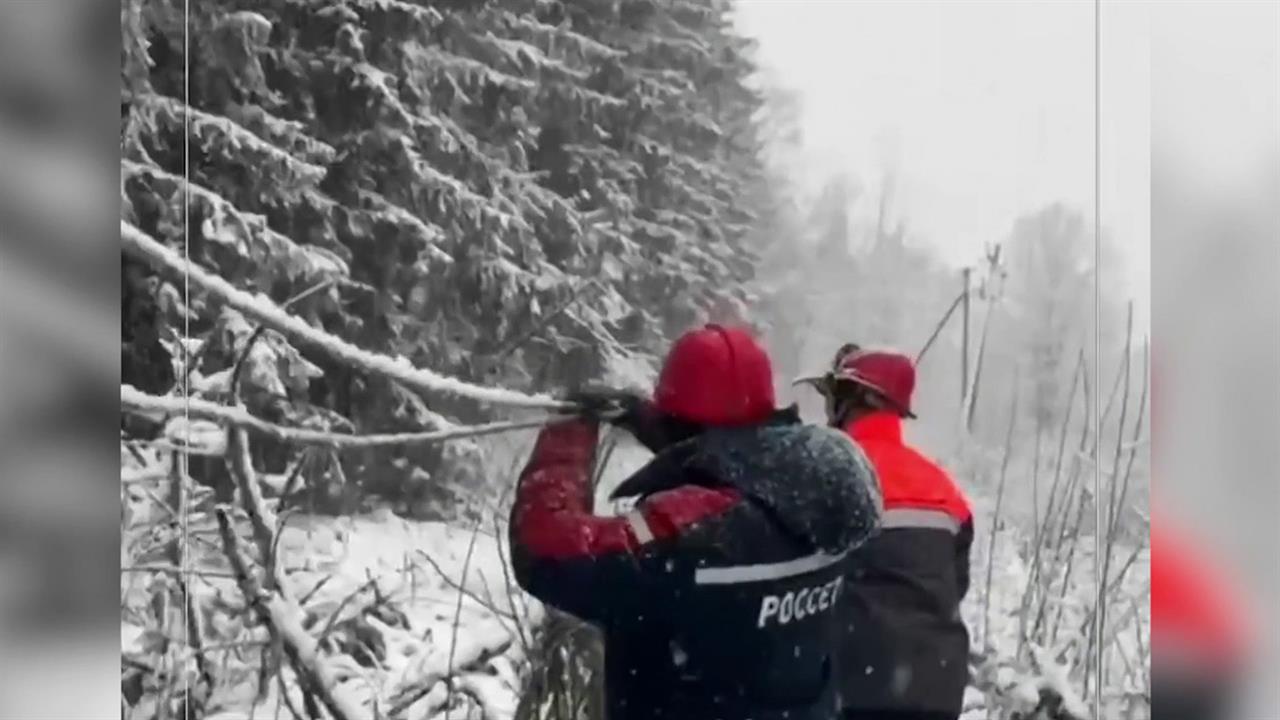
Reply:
x=59, y=365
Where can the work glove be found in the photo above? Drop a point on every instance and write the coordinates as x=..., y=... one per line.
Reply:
x=622, y=409
x=607, y=405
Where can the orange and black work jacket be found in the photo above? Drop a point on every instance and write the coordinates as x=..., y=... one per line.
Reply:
x=906, y=647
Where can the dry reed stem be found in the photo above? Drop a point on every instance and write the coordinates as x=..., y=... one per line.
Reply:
x=995, y=521
x=1103, y=538
x=1036, y=583
x=457, y=619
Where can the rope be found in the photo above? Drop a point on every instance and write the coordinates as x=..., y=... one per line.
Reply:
x=941, y=324
x=142, y=246
x=136, y=401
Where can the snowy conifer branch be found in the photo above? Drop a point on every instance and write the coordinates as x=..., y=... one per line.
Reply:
x=134, y=400
x=145, y=248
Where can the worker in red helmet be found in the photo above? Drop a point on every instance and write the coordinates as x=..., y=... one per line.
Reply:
x=905, y=650
x=717, y=593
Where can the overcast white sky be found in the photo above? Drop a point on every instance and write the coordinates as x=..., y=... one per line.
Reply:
x=987, y=108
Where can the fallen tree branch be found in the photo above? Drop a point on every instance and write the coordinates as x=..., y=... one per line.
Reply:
x=284, y=620
x=134, y=400
x=178, y=556
x=240, y=467
x=263, y=310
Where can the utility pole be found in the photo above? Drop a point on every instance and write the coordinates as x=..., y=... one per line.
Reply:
x=991, y=290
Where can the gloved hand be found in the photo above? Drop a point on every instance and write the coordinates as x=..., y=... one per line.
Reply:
x=616, y=407
x=626, y=410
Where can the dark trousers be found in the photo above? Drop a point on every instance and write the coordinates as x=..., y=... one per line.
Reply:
x=896, y=715
x=1200, y=699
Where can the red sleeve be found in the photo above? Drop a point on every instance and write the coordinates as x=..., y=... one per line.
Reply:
x=553, y=519
x=592, y=566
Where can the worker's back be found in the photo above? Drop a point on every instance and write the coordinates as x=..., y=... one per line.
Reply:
x=717, y=593
x=906, y=648
x=720, y=601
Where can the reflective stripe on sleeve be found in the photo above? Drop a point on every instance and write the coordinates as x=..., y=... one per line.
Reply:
x=918, y=518
x=640, y=526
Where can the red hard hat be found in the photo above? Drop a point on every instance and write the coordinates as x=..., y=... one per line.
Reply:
x=890, y=374
x=716, y=376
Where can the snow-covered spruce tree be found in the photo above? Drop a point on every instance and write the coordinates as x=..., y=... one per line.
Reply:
x=777, y=233
x=515, y=191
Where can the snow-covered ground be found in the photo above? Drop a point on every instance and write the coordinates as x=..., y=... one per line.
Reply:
x=407, y=605
x=1010, y=682
x=411, y=604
